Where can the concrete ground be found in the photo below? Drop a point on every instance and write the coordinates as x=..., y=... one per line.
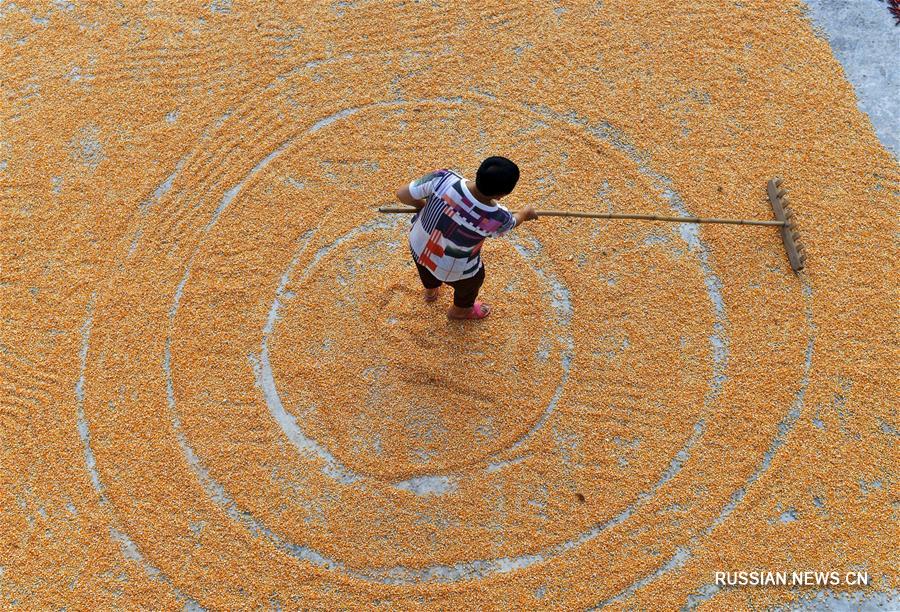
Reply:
x=866, y=41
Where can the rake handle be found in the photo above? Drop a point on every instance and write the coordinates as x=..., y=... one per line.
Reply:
x=593, y=215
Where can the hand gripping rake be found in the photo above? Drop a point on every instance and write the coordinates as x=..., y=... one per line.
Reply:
x=784, y=219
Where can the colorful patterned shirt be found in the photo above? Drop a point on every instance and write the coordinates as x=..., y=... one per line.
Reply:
x=447, y=234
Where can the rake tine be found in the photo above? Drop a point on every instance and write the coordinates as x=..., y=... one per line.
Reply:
x=790, y=233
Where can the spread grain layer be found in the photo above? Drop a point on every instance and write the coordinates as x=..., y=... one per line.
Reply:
x=221, y=387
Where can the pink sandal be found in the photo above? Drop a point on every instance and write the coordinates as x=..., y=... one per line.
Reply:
x=479, y=311
x=432, y=297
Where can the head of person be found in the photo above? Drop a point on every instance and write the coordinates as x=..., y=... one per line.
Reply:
x=496, y=177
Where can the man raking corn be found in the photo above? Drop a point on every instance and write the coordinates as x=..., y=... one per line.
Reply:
x=453, y=217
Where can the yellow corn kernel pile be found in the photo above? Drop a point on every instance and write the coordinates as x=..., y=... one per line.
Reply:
x=220, y=385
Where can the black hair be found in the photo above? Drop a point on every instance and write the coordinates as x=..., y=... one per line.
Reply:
x=496, y=176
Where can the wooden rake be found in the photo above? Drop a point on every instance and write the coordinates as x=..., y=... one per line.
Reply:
x=784, y=219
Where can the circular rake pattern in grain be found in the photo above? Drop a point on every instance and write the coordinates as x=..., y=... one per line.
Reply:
x=358, y=396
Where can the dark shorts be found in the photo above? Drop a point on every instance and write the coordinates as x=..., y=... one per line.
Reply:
x=464, y=291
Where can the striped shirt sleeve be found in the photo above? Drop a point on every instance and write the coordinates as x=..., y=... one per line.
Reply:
x=506, y=219
x=424, y=187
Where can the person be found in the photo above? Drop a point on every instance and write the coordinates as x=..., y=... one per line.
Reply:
x=453, y=217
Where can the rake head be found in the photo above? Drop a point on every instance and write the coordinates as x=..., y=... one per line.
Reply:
x=789, y=232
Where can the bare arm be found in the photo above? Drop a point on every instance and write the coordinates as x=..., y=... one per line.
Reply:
x=404, y=196
x=526, y=214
